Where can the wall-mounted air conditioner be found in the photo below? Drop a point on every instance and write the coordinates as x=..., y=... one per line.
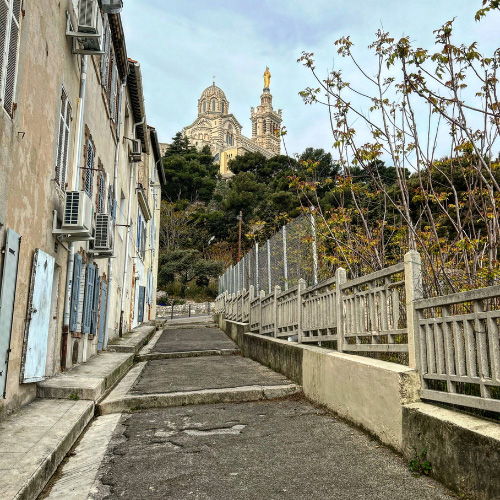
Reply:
x=89, y=31
x=112, y=6
x=87, y=16
x=103, y=236
x=77, y=212
x=135, y=151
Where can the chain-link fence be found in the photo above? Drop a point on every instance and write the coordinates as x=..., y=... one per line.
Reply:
x=282, y=260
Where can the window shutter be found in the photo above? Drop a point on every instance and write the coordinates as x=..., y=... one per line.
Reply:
x=95, y=304
x=100, y=194
x=113, y=91
x=12, y=40
x=89, y=166
x=63, y=140
x=75, y=292
x=4, y=25
x=105, y=57
x=89, y=299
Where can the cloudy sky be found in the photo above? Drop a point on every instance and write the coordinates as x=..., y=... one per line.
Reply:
x=181, y=44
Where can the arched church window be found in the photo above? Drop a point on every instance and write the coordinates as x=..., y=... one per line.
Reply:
x=222, y=108
x=213, y=104
x=204, y=106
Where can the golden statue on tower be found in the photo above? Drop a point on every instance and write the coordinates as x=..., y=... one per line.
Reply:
x=267, y=78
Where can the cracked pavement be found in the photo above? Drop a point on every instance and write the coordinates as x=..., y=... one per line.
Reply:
x=261, y=450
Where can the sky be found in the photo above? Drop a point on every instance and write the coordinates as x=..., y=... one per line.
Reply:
x=182, y=44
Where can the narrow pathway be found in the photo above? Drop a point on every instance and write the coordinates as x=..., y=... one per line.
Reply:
x=258, y=439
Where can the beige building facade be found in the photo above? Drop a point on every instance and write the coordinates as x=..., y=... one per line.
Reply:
x=219, y=129
x=80, y=180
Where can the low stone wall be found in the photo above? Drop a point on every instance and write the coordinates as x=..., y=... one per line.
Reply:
x=368, y=392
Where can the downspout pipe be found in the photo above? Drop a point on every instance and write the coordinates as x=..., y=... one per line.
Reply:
x=115, y=187
x=129, y=223
x=71, y=253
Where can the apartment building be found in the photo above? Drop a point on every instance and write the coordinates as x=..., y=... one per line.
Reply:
x=80, y=181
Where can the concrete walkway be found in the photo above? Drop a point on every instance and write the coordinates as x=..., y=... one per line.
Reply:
x=36, y=438
x=257, y=439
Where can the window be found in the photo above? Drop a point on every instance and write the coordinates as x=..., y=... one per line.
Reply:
x=10, y=12
x=63, y=140
x=222, y=107
x=141, y=234
x=113, y=91
x=204, y=106
x=105, y=58
x=213, y=104
x=100, y=193
x=89, y=165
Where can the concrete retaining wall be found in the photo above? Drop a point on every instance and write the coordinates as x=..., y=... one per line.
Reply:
x=368, y=392
x=464, y=450
x=383, y=398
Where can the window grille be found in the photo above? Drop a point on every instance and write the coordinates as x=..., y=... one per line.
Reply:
x=63, y=140
x=10, y=12
x=88, y=170
x=100, y=194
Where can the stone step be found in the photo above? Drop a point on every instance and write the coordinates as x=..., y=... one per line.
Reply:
x=90, y=380
x=134, y=340
x=187, y=354
x=33, y=442
x=133, y=402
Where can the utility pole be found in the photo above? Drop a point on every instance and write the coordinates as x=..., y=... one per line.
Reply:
x=240, y=217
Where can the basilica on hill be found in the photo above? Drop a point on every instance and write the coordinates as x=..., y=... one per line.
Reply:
x=216, y=127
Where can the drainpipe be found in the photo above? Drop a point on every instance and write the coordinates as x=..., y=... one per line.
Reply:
x=71, y=253
x=127, y=243
x=115, y=187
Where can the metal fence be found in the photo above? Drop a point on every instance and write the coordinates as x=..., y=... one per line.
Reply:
x=453, y=341
x=284, y=259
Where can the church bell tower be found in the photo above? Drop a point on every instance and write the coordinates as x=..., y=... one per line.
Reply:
x=265, y=121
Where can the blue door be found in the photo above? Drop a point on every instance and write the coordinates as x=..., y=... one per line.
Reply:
x=7, y=300
x=36, y=330
x=142, y=294
x=102, y=317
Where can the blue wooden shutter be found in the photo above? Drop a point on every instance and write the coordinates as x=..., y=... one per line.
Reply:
x=88, y=298
x=102, y=318
x=7, y=300
x=95, y=306
x=75, y=292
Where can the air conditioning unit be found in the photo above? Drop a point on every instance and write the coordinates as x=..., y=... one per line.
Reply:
x=87, y=16
x=112, y=6
x=103, y=236
x=135, y=150
x=77, y=212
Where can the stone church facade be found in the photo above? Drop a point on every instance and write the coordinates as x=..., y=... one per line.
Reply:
x=219, y=129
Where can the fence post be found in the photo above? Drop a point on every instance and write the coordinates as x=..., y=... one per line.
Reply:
x=277, y=290
x=256, y=266
x=413, y=288
x=302, y=285
x=269, y=277
x=262, y=294
x=250, y=298
x=314, y=249
x=285, y=261
x=340, y=279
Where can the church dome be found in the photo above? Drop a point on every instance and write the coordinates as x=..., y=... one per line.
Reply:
x=213, y=101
